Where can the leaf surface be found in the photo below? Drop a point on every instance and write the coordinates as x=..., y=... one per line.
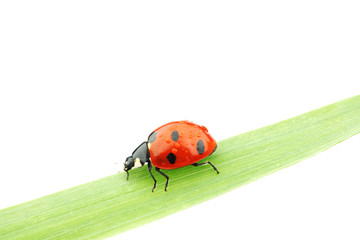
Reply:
x=111, y=205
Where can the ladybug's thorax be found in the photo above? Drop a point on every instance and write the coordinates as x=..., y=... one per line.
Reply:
x=141, y=155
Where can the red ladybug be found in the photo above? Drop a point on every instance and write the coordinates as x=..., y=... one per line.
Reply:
x=173, y=145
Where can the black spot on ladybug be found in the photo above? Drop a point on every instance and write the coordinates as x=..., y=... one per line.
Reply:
x=200, y=147
x=171, y=157
x=152, y=137
x=175, y=136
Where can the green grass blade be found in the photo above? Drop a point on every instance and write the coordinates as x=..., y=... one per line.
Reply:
x=105, y=207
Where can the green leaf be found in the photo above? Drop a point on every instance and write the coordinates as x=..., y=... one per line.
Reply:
x=112, y=205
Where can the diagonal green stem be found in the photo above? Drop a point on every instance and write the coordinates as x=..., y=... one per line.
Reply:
x=112, y=205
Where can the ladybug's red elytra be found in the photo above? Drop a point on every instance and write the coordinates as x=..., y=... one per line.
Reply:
x=173, y=145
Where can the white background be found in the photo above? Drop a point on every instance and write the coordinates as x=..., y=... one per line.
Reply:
x=84, y=82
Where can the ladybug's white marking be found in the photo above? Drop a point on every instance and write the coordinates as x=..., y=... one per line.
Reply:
x=137, y=163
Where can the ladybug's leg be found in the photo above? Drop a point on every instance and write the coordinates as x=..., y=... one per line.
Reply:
x=166, y=176
x=150, y=168
x=204, y=163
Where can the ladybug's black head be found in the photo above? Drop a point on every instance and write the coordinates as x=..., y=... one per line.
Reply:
x=138, y=158
x=128, y=164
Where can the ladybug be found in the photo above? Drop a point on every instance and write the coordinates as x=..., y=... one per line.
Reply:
x=173, y=145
